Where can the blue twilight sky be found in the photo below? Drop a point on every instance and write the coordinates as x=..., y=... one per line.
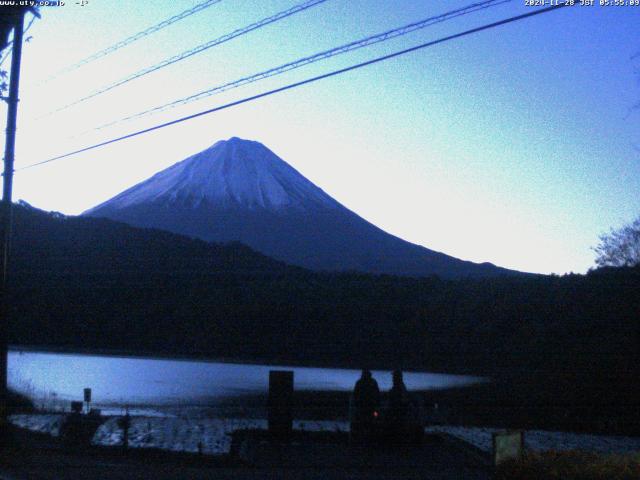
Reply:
x=514, y=145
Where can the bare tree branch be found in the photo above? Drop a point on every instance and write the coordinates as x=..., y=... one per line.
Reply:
x=621, y=247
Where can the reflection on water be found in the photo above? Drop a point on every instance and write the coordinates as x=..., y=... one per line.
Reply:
x=126, y=380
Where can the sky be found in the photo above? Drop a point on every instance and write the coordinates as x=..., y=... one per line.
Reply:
x=517, y=145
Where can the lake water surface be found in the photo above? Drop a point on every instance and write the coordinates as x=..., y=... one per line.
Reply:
x=117, y=380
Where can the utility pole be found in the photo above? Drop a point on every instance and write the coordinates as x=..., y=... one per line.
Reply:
x=5, y=206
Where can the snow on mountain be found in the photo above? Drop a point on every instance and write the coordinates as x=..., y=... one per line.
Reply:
x=239, y=190
x=230, y=173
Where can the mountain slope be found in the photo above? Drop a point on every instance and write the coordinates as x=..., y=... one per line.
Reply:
x=50, y=244
x=238, y=190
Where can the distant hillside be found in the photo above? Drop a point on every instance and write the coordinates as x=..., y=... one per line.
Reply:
x=95, y=282
x=70, y=245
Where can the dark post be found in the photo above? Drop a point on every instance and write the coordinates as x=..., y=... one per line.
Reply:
x=280, y=403
x=87, y=398
x=5, y=218
x=124, y=423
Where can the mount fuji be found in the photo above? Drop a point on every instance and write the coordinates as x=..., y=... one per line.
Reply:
x=239, y=190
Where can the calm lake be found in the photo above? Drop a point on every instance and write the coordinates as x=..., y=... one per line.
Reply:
x=118, y=380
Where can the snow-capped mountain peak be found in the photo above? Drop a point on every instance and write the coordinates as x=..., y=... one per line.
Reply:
x=230, y=173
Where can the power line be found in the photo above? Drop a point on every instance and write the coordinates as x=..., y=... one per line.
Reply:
x=355, y=45
x=200, y=48
x=300, y=83
x=137, y=36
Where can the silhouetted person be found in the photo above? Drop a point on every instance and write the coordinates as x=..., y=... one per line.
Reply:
x=366, y=398
x=397, y=415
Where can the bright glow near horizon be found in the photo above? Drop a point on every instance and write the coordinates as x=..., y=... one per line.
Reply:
x=513, y=146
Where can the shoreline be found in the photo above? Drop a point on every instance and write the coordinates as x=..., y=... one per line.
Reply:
x=152, y=355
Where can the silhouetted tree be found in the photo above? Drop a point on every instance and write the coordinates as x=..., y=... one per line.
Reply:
x=621, y=247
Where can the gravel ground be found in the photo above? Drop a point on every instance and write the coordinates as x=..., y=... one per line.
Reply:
x=211, y=435
x=540, y=440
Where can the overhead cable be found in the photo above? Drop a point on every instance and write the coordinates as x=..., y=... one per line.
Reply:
x=355, y=45
x=138, y=36
x=200, y=48
x=300, y=83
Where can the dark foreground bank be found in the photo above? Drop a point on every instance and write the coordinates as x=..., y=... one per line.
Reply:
x=38, y=456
